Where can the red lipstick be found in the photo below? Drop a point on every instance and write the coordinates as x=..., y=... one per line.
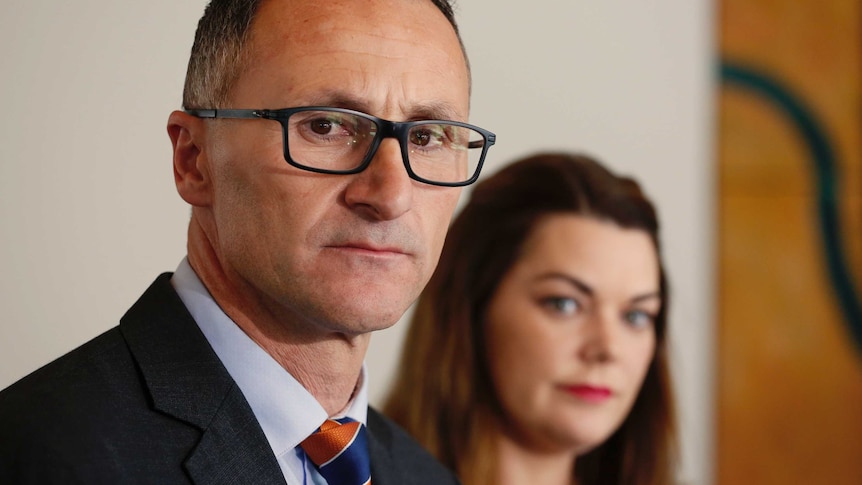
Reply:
x=593, y=394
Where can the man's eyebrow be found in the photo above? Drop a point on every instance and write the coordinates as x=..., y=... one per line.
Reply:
x=433, y=111
x=337, y=99
x=418, y=111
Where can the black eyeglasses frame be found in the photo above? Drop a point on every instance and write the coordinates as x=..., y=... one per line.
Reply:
x=387, y=129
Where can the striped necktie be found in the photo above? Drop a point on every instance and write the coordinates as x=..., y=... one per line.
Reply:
x=339, y=448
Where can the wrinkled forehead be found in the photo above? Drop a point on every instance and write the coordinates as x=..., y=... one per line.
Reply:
x=309, y=26
x=392, y=50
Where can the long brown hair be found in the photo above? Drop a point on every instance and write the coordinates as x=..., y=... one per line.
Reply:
x=443, y=394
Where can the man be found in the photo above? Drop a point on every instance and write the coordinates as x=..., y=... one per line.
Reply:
x=310, y=229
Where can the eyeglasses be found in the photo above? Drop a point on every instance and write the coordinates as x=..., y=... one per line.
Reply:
x=343, y=141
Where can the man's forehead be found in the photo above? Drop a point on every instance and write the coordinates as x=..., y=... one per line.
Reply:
x=327, y=57
x=300, y=16
x=281, y=25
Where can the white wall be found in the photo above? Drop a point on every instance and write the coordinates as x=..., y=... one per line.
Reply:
x=89, y=214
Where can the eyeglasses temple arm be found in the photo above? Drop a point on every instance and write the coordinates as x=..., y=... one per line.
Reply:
x=229, y=113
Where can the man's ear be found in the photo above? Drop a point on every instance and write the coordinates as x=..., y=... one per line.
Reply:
x=191, y=169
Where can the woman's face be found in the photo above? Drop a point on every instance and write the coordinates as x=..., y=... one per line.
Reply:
x=570, y=332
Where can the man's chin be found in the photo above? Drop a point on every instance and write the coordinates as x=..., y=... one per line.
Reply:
x=363, y=318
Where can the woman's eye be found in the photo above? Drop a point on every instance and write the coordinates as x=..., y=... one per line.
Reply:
x=639, y=318
x=561, y=305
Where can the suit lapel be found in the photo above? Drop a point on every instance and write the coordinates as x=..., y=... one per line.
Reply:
x=384, y=470
x=186, y=380
x=233, y=448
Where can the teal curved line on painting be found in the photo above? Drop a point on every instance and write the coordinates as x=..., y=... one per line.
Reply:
x=823, y=159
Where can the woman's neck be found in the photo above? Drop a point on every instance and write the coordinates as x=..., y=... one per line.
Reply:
x=519, y=464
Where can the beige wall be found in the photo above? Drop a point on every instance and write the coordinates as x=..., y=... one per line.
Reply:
x=89, y=215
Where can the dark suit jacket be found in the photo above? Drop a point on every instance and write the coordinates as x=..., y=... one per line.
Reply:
x=150, y=402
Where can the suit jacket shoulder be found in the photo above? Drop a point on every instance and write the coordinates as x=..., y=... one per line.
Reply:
x=146, y=402
x=150, y=402
x=396, y=458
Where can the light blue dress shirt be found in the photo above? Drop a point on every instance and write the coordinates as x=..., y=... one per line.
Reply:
x=286, y=411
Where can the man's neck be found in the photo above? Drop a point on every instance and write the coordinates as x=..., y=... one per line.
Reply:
x=330, y=371
x=328, y=365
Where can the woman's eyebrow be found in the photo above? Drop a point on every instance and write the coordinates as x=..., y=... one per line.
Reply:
x=646, y=296
x=577, y=283
x=588, y=290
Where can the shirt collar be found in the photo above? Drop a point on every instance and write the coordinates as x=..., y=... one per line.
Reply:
x=286, y=411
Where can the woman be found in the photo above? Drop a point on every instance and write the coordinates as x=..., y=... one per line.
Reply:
x=537, y=353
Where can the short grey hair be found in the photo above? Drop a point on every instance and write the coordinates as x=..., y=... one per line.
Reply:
x=219, y=53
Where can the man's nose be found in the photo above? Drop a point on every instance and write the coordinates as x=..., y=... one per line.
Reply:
x=384, y=190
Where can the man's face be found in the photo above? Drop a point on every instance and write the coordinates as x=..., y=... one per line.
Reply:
x=334, y=253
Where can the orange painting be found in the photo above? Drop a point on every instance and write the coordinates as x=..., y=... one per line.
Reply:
x=789, y=331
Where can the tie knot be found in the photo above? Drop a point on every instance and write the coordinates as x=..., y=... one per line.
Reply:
x=339, y=448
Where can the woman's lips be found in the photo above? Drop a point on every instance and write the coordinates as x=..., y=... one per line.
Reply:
x=593, y=394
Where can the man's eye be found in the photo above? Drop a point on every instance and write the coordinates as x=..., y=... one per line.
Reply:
x=427, y=136
x=321, y=126
x=421, y=138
